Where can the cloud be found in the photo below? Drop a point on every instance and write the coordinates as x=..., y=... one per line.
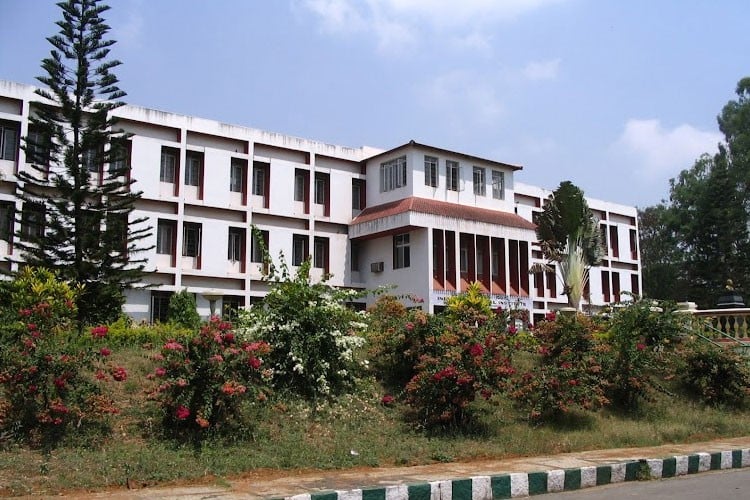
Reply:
x=541, y=70
x=462, y=97
x=662, y=151
x=393, y=23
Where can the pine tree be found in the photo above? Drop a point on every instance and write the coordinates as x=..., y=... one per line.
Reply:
x=77, y=198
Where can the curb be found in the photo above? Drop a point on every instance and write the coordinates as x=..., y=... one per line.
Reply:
x=515, y=485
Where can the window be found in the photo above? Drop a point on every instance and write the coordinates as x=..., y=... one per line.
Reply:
x=452, y=173
x=168, y=165
x=299, y=249
x=191, y=239
x=258, y=244
x=32, y=220
x=354, y=264
x=430, y=171
x=358, y=194
x=117, y=230
x=37, y=147
x=165, y=236
x=259, y=181
x=401, y=257
x=236, y=175
x=498, y=185
x=6, y=221
x=480, y=184
x=89, y=161
x=8, y=140
x=230, y=306
x=119, y=161
x=393, y=174
x=320, y=253
x=299, y=185
x=463, y=259
x=193, y=168
x=236, y=244
x=160, y=306
x=320, y=189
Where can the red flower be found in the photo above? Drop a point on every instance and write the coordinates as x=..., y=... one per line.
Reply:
x=476, y=350
x=254, y=362
x=104, y=351
x=60, y=382
x=202, y=422
x=25, y=312
x=640, y=346
x=182, y=412
x=32, y=389
x=229, y=337
x=120, y=374
x=387, y=400
x=573, y=382
x=100, y=375
x=99, y=332
x=512, y=329
x=31, y=327
x=160, y=372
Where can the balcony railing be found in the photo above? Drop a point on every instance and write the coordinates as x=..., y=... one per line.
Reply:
x=731, y=322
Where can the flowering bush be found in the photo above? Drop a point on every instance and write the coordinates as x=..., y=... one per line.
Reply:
x=569, y=373
x=204, y=382
x=313, y=336
x=51, y=381
x=638, y=334
x=468, y=352
x=394, y=338
x=714, y=375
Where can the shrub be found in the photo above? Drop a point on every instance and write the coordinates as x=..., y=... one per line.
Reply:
x=569, y=372
x=637, y=335
x=53, y=385
x=206, y=383
x=182, y=310
x=716, y=376
x=313, y=335
x=394, y=338
x=465, y=353
x=126, y=333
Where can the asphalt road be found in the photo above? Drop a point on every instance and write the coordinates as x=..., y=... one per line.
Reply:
x=730, y=484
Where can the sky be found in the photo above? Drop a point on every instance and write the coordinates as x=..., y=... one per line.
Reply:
x=617, y=96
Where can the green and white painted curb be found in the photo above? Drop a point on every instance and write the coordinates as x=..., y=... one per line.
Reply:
x=515, y=485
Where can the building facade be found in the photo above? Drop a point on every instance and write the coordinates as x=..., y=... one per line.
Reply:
x=423, y=219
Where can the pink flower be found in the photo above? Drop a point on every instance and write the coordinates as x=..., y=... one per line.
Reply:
x=31, y=327
x=216, y=358
x=173, y=346
x=229, y=337
x=105, y=351
x=254, y=362
x=100, y=375
x=640, y=346
x=160, y=372
x=387, y=400
x=512, y=330
x=573, y=382
x=182, y=412
x=119, y=373
x=25, y=312
x=550, y=316
x=60, y=382
x=410, y=326
x=99, y=332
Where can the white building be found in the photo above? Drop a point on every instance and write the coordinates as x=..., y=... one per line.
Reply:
x=425, y=219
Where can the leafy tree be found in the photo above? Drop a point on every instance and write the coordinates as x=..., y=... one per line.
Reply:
x=183, y=311
x=705, y=226
x=569, y=235
x=76, y=217
x=662, y=261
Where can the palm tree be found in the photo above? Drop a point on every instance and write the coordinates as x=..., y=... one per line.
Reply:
x=569, y=235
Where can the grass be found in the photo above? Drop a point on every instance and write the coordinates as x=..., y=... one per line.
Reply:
x=355, y=431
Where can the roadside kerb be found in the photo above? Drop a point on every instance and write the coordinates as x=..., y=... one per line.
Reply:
x=521, y=484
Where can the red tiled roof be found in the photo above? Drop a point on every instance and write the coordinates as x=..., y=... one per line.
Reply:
x=444, y=209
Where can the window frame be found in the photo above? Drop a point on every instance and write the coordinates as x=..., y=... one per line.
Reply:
x=167, y=172
x=321, y=246
x=393, y=174
x=7, y=218
x=193, y=167
x=479, y=175
x=236, y=174
x=401, y=251
x=7, y=129
x=256, y=251
x=192, y=233
x=299, y=186
x=319, y=197
x=431, y=171
x=452, y=175
x=300, y=245
x=498, y=185
x=236, y=244
x=165, y=228
x=259, y=181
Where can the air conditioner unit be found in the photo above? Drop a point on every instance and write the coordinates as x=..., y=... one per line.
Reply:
x=376, y=267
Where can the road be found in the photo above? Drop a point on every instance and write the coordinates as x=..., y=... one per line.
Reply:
x=729, y=484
